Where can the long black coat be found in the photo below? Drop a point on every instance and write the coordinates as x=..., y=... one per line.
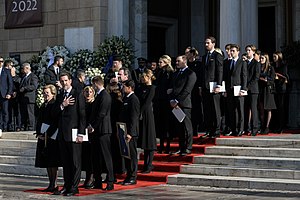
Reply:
x=147, y=126
x=267, y=88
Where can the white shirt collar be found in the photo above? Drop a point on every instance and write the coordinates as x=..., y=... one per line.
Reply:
x=128, y=95
x=100, y=90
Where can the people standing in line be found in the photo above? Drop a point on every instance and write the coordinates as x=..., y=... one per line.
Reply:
x=100, y=129
x=28, y=87
x=47, y=151
x=129, y=114
x=87, y=164
x=281, y=81
x=6, y=90
x=51, y=75
x=72, y=121
x=182, y=84
x=161, y=106
x=147, y=136
x=197, y=102
x=266, y=93
x=212, y=73
x=14, y=121
x=251, y=112
x=235, y=75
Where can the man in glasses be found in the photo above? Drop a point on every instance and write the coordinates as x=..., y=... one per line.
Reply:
x=6, y=85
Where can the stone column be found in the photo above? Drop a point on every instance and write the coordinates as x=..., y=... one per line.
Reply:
x=118, y=18
x=238, y=23
x=138, y=27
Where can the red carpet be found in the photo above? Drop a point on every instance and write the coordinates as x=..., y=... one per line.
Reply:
x=164, y=165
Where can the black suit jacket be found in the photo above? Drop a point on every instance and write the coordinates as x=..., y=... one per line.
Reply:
x=182, y=85
x=50, y=76
x=100, y=116
x=6, y=82
x=28, y=87
x=235, y=76
x=212, y=70
x=71, y=117
x=253, y=76
x=130, y=112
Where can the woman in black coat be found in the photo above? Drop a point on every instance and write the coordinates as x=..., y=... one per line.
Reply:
x=162, y=108
x=147, y=136
x=266, y=92
x=47, y=151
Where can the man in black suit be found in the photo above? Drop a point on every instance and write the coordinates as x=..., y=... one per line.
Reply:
x=182, y=84
x=71, y=112
x=6, y=84
x=130, y=112
x=252, y=85
x=28, y=87
x=235, y=74
x=136, y=73
x=51, y=75
x=101, y=131
x=212, y=72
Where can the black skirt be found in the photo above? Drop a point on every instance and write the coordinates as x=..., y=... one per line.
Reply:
x=47, y=156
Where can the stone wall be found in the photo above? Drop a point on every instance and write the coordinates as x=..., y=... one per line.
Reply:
x=57, y=16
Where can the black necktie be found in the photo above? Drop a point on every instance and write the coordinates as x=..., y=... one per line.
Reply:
x=57, y=71
x=66, y=94
x=208, y=57
x=232, y=65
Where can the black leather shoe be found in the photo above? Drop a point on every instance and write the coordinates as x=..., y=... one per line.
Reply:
x=230, y=133
x=130, y=182
x=206, y=135
x=71, y=192
x=51, y=189
x=188, y=151
x=60, y=192
x=110, y=186
x=253, y=133
x=89, y=186
x=177, y=152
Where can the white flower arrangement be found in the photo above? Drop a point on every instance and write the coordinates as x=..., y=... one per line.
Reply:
x=82, y=59
x=92, y=72
x=39, y=97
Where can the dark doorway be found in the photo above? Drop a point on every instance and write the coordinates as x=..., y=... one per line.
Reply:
x=266, y=29
x=157, y=42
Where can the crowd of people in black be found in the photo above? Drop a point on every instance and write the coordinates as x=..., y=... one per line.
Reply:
x=233, y=96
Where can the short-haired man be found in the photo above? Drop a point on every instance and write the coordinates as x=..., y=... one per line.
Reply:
x=212, y=72
x=51, y=75
x=71, y=112
x=130, y=112
x=182, y=85
x=6, y=84
x=253, y=91
x=235, y=75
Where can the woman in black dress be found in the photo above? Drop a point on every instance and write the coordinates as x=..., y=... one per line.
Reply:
x=281, y=81
x=147, y=136
x=162, y=108
x=266, y=92
x=47, y=152
x=86, y=164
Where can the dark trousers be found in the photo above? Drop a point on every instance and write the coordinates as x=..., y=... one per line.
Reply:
x=212, y=112
x=148, y=158
x=101, y=150
x=3, y=113
x=197, y=113
x=235, y=105
x=14, y=120
x=132, y=163
x=71, y=160
x=27, y=115
x=279, y=114
x=186, y=133
x=251, y=105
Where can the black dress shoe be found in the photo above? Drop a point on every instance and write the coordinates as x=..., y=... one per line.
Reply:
x=254, y=133
x=72, y=192
x=89, y=185
x=188, y=151
x=206, y=135
x=51, y=189
x=230, y=133
x=60, y=192
x=110, y=186
x=130, y=182
x=240, y=133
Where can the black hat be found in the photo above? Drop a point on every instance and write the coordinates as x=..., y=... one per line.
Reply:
x=141, y=59
x=117, y=58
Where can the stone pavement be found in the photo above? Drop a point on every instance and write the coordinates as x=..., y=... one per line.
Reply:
x=12, y=187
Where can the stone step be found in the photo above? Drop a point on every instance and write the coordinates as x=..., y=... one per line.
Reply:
x=8, y=143
x=270, y=162
x=24, y=135
x=253, y=151
x=18, y=151
x=259, y=142
x=220, y=170
x=20, y=160
x=234, y=182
